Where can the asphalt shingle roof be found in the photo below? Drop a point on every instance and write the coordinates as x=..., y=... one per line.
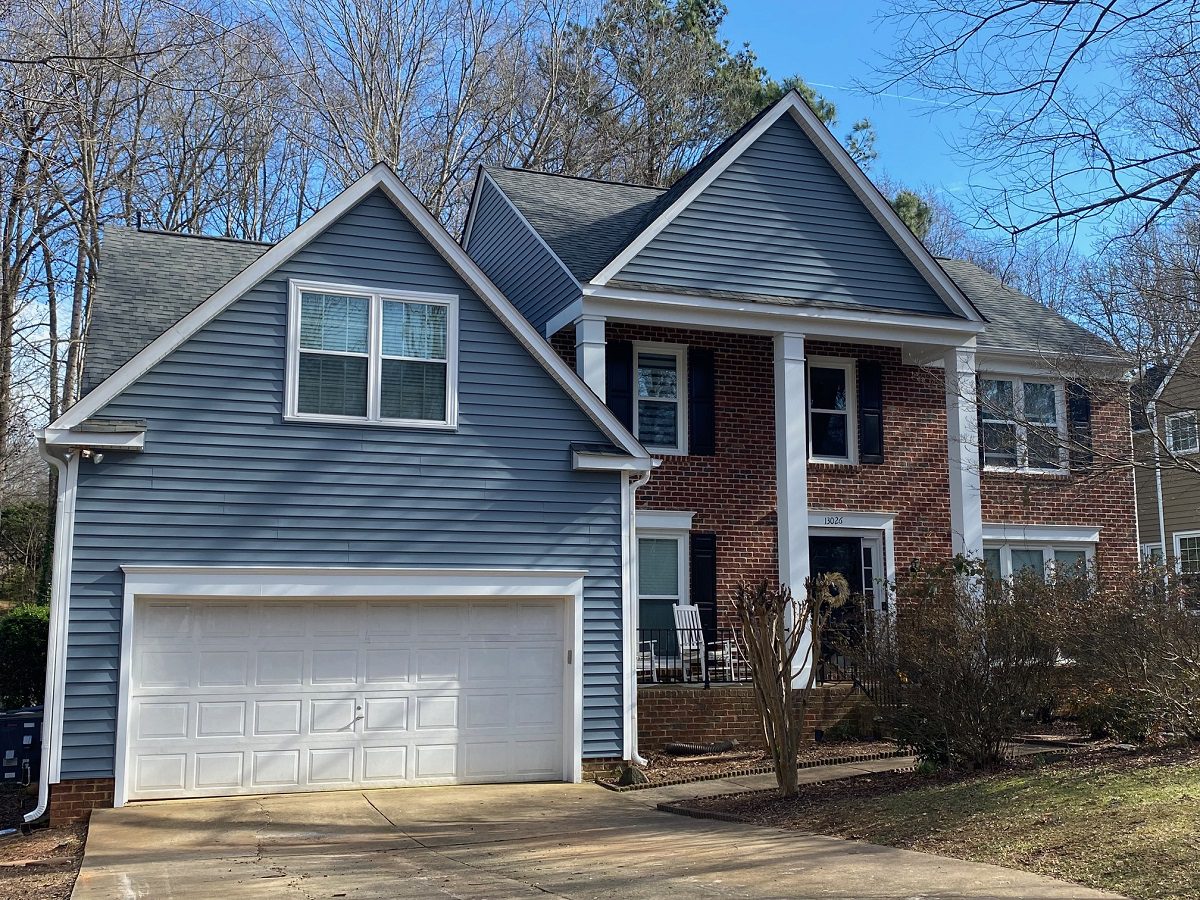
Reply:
x=1016, y=321
x=148, y=281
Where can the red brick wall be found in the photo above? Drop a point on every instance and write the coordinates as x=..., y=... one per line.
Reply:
x=1103, y=498
x=725, y=712
x=71, y=802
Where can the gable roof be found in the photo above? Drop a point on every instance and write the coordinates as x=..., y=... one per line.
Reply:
x=1016, y=321
x=149, y=280
x=1191, y=343
x=381, y=177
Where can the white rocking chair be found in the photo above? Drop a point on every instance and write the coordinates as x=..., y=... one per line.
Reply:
x=693, y=649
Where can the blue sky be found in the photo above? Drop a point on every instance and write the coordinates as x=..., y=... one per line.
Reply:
x=834, y=44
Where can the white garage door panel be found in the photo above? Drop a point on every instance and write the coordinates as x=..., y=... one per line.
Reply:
x=236, y=697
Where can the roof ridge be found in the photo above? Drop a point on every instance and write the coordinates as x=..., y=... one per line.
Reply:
x=588, y=178
x=162, y=232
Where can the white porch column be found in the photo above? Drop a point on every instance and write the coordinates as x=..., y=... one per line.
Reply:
x=791, y=468
x=962, y=425
x=589, y=352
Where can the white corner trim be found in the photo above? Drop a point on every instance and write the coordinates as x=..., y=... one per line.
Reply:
x=1011, y=532
x=664, y=521
x=284, y=582
x=583, y=461
x=98, y=440
x=383, y=178
x=850, y=172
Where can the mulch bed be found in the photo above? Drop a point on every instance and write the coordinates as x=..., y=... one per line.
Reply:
x=41, y=865
x=767, y=808
x=663, y=770
x=15, y=801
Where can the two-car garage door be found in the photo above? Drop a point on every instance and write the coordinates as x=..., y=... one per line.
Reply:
x=256, y=696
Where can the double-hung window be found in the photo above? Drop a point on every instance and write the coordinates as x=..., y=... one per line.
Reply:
x=660, y=419
x=832, y=423
x=375, y=357
x=1022, y=424
x=1187, y=553
x=662, y=581
x=1183, y=432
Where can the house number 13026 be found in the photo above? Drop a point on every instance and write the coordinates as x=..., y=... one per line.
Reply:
x=835, y=520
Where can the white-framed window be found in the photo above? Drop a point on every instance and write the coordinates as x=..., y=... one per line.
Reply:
x=1003, y=561
x=662, y=580
x=1183, y=432
x=1187, y=552
x=371, y=356
x=1153, y=554
x=832, y=413
x=1023, y=424
x=660, y=383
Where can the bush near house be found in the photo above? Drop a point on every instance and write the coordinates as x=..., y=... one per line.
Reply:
x=24, y=631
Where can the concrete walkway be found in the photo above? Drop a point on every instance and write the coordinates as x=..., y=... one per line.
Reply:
x=502, y=841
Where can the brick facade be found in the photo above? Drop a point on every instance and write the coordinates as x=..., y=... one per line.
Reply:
x=1102, y=499
x=695, y=714
x=71, y=802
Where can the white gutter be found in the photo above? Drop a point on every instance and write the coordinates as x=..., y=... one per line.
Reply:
x=67, y=467
x=629, y=603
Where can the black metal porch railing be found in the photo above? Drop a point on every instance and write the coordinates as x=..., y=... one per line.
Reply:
x=687, y=656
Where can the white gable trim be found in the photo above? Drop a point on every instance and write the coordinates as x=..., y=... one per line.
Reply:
x=1187, y=349
x=385, y=179
x=849, y=171
x=483, y=178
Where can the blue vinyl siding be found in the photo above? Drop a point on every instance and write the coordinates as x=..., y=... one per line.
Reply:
x=224, y=481
x=512, y=256
x=781, y=222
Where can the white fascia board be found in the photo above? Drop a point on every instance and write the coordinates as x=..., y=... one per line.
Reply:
x=464, y=239
x=95, y=440
x=1040, y=362
x=582, y=461
x=1009, y=532
x=845, y=518
x=685, y=310
x=572, y=313
x=304, y=581
x=836, y=155
x=383, y=178
x=484, y=176
x=662, y=520
x=1183, y=355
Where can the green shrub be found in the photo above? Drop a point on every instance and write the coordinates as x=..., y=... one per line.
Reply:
x=24, y=631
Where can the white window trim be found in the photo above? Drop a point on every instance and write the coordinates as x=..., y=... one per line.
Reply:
x=1192, y=414
x=377, y=296
x=679, y=351
x=1060, y=415
x=850, y=367
x=682, y=559
x=1177, y=540
x=1047, y=550
x=1147, y=552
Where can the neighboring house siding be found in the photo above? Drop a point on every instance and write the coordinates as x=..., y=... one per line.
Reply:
x=223, y=481
x=520, y=265
x=1147, y=489
x=1180, y=480
x=780, y=221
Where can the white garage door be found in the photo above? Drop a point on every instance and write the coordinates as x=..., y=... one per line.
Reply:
x=247, y=697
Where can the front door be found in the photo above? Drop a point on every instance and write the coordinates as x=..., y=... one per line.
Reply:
x=851, y=557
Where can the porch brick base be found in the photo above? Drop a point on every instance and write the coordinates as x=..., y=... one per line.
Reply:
x=599, y=768
x=71, y=802
x=694, y=714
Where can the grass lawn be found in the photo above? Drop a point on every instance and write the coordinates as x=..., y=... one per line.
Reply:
x=1128, y=823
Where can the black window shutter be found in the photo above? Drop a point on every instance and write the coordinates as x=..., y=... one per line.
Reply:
x=702, y=425
x=703, y=588
x=1079, y=426
x=870, y=412
x=618, y=380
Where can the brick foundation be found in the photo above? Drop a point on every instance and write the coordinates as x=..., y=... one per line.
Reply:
x=72, y=802
x=696, y=714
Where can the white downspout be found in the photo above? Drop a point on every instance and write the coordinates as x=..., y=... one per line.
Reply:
x=629, y=602
x=67, y=467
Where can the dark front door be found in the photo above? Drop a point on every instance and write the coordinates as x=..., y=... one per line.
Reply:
x=845, y=626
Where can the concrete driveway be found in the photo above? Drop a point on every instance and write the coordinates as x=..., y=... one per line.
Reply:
x=504, y=841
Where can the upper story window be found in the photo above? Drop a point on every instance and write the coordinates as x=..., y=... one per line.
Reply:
x=660, y=419
x=1183, y=432
x=366, y=356
x=832, y=421
x=1022, y=424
